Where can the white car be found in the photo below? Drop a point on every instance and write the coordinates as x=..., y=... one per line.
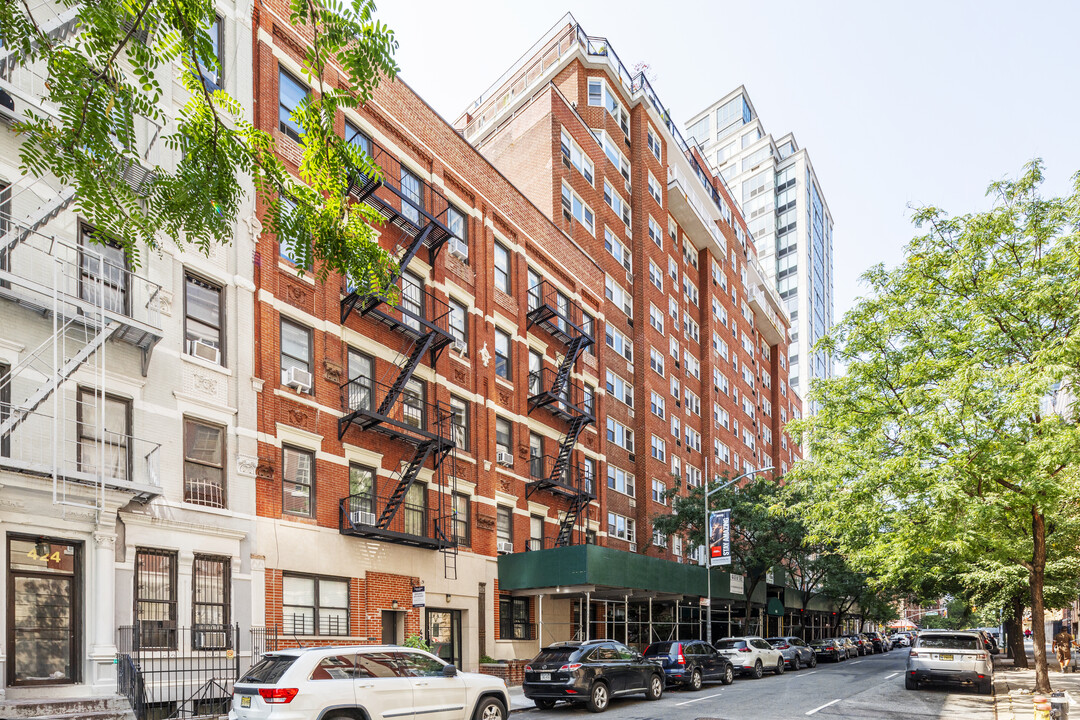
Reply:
x=751, y=655
x=950, y=656
x=367, y=681
x=900, y=640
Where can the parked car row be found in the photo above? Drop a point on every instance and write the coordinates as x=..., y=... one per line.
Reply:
x=592, y=673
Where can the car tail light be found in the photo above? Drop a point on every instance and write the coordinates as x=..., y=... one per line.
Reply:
x=784, y=646
x=528, y=668
x=278, y=696
x=913, y=653
x=744, y=649
x=570, y=667
x=681, y=659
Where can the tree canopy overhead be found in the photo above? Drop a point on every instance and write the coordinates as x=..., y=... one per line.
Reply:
x=102, y=111
x=943, y=434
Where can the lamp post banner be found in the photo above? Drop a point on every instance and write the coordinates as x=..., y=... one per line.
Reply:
x=719, y=538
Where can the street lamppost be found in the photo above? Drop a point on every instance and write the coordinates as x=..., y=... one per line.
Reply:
x=708, y=545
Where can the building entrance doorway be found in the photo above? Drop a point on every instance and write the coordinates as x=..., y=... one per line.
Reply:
x=444, y=634
x=44, y=614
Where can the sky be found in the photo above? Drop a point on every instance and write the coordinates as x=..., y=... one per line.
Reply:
x=900, y=105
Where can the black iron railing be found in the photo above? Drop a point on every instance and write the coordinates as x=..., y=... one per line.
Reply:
x=370, y=403
x=414, y=522
x=574, y=479
x=562, y=396
x=417, y=311
x=557, y=313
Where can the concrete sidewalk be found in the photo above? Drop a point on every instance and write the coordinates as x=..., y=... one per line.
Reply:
x=1013, y=687
x=519, y=702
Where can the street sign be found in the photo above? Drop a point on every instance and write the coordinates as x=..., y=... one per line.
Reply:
x=418, y=596
x=737, y=585
x=704, y=602
x=719, y=538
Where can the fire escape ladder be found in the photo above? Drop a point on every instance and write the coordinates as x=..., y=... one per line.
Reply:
x=45, y=214
x=367, y=302
x=420, y=347
x=405, y=481
x=573, y=349
x=566, y=446
x=573, y=512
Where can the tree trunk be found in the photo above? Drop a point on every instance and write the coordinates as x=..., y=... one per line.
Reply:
x=1037, y=572
x=750, y=587
x=1016, y=634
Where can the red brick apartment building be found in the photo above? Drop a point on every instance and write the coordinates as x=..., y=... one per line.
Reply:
x=552, y=360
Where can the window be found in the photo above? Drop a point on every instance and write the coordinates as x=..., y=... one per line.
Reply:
x=676, y=546
x=295, y=350
x=458, y=313
x=620, y=480
x=656, y=360
x=155, y=596
x=659, y=448
x=673, y=271
x=361, y=491
x=690, y=290
x=574, y=206
x=502, y=268
x=693, y=402
x=618, y=250
x=614, y=154
x=676, y=427
x=291, y=93
x=658, y=538
x=693, y=439
x=656, y=403
x=536, y=363
x=615, y=292
x=621, y=527
x=536, y=455
x=502, y=354
x=103, y=449
x=722, y=451
x=204, y=463
x=673, y=349
x=455, y=221
x=573, y=153
x=534, y=287
x=676, y=466
x=620, y=435
x=620, y=389
x=656, y=318
x=514, y=618
x=412, y=191
x=619, y=342
x=314, y=605
x=723, y=417
x=673, y=310
x=360, y=372
x=616, y=203
x=504, y=523
x=103, y=271
x=656, y=233
x=202, y=320
x=691, y=328
x=502, y=435
x=536, y=532
x=654, y=190
x=656, y=276
x=210, y=580
x=462, y=523
x=653, y=142
x=658, y=492
x=693, y=365
x=459, y=420
x=211, y=76
x=297, y=480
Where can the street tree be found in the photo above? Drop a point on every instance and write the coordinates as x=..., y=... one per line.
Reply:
x=943, y=416
x=101, y=112
x=762, y=536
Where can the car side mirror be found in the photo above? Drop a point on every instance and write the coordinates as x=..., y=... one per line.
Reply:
x=449, y=670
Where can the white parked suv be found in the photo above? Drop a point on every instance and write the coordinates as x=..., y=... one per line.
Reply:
x=751, y=655
x=365, y=682
x=950, y=656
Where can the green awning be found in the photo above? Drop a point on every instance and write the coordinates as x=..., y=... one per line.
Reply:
x=775, y=607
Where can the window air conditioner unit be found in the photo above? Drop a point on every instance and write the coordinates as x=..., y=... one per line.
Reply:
x=298, y=378
x=459, y=346
x=633, y=547
x=629, y=276
x=459, y=249
x=362, y=517
x=204, y=351
x=630, y=413
x=505, y=546
x=504, y=458
x=633, y=503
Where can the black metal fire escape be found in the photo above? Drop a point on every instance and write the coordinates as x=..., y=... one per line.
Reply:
x=555, y=391
x=396, y=408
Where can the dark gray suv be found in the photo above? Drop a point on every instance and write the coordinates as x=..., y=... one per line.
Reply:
x=590, y=673
x=796, y=652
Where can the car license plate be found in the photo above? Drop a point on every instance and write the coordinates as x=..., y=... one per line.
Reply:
x=946, y=657
x=544, y=677
x=245, y=701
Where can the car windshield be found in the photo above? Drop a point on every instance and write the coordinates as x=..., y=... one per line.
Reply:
x=660, y=649
x=775, y=641
x=553, y=655
x=819, y=643
x=730, y=644
x=950, y=642
x=268, y=670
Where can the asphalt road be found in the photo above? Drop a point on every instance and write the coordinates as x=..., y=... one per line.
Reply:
x=867, y=687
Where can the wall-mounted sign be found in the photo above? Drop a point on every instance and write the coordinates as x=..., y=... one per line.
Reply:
x=419, y=597
x=737, y=586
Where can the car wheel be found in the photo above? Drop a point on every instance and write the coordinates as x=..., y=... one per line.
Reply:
x=836, y=657
x=598, y=698
x=986, y=687
x=490, y=709
x=813, y=660
x=656, y=687
x=796, y=663
x=780, y=667
x=544, y=703
x=758, y=670
x=911, y=683
x=729, y=675
x=695, y=680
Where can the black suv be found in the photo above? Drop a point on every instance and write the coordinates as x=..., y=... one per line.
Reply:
x=879, y=642
x=690, y=662
x=590, y=673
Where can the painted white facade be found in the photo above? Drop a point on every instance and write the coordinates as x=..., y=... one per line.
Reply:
x=103, y=516
x=784, y=206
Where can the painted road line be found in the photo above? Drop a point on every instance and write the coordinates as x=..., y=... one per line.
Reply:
x=809, y=673
x=854, y=662
x=707, y=697
x=1071, y=701
x=824, y=706
x=891, y=676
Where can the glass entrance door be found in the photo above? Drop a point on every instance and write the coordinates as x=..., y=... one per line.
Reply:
x=444, y=634
x=44, y=620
